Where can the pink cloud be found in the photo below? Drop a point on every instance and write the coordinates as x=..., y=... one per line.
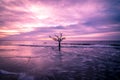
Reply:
x=19, y=17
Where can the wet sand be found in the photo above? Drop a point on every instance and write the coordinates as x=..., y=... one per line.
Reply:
x=72, y=63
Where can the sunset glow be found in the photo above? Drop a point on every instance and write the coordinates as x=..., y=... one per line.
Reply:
x=76, y=19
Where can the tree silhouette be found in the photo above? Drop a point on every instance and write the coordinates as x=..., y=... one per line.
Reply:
x=59, y=38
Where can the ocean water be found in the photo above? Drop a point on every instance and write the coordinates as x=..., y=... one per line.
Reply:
x=78, y=60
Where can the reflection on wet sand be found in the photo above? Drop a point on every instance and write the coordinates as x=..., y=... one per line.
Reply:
x=72, y=63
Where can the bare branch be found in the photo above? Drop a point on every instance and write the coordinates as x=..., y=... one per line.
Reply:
x=57, y=36
x=55, y=39
x=63, y=38
x=60, y=35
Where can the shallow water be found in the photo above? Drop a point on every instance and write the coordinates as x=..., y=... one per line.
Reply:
x=76, y=61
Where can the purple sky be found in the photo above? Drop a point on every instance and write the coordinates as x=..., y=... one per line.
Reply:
x=76, y=19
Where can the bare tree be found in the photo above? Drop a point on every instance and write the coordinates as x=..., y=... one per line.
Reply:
x=59, y=38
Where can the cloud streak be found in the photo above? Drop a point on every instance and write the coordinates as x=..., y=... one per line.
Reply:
x=75, y=18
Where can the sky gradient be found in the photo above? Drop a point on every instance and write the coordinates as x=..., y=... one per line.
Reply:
x=76, y=19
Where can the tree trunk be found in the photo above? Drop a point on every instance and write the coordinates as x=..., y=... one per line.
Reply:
x=59, y=46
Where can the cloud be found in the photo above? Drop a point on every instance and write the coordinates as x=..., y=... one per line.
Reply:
x=73, y=17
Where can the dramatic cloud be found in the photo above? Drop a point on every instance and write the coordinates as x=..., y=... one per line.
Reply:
x=77, y=19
